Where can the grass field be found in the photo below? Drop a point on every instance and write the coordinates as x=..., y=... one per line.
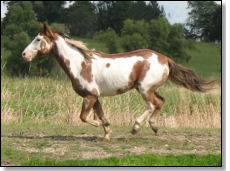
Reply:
x=137, y=160
x=43, y=143
x=40, y=122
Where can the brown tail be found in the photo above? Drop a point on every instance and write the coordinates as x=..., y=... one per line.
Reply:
x=187, y=78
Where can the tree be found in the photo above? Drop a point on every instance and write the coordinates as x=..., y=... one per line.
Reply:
x=20, y=27
x=177, y=45
x=110, y=38
x=204, y=20
x=159, y=30
x=80, y=18
x=112, y=14
x=49, y=11
x=135, y=35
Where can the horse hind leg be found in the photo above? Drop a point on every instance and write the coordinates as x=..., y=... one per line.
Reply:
x=142, y=118
x=158, y=102
x=155, y=103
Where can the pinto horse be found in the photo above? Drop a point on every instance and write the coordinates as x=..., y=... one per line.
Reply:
x=94, y=74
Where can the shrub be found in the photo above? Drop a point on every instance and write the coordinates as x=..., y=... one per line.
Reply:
x=62, y=29
x=133, y=42
x=110, y=38
x=135, y=35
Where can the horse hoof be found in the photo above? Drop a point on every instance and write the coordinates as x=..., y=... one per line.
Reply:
x=155, y=131
x=136, y=129
x=106, y=137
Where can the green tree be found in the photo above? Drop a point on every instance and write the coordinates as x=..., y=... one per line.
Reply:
x=204, y=20
x=80, y=19
x=177, y=45
x=20, y=27
x=49, y=11
x=158, y=35
x=135, y=35
x=110, y=38
x=112, y=14
x=159, y=31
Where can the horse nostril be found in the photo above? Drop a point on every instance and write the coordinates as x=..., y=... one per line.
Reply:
x=23, y=54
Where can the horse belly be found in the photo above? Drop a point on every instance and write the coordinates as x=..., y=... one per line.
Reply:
x=110, y=86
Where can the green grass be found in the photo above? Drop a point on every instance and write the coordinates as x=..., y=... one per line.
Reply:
x=205, y=59
x=55, y=100
x=45, y=141
x=137, y=160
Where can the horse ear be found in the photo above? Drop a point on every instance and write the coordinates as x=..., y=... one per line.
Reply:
x=42, y=27
x=48, y=31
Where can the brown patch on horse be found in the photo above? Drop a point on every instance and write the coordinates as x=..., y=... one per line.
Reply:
x=144, y=70
x=134, y=75
x=145, y=53
x=108, y=65
x=86, y=71
x=162, y=59
x=46, y=38
x=65, y=64
x=88, y=103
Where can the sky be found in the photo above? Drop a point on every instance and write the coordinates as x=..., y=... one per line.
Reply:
x=176, y=11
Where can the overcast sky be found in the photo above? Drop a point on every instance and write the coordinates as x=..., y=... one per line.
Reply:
x=176, y=11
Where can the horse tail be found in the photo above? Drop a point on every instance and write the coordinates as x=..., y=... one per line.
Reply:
x=187, y=78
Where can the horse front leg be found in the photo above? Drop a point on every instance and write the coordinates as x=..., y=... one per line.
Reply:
x=87, y=105
x=99, y=111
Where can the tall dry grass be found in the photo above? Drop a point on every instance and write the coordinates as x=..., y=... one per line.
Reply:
x=45, y=99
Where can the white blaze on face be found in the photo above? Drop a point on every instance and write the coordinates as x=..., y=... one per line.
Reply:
x=32, y=50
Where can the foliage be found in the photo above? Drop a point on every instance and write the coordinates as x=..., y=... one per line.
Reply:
x=50, y=11
x=159, y=31
x=113, y=13
x=60, y=28
x=110, y=38
x=204, y=20
x=177, y=46
x=19, y=29
x=158, y=35
x=80, y=18
x=135, y=35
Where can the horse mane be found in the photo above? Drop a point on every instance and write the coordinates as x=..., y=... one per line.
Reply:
x=88, y=53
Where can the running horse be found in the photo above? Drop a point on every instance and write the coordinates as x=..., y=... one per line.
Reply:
x=94, y=74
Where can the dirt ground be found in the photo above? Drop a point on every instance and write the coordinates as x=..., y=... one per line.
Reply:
x=86, y=145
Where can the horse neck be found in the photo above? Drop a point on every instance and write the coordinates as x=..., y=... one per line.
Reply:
x=68, y=57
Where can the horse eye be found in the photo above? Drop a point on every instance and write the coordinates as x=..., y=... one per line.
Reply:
x=38, y=40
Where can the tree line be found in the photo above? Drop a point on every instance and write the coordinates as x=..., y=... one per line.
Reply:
x=122, y=25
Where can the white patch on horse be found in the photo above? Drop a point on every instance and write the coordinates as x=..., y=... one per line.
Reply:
x=116, y=76
x=154, y=75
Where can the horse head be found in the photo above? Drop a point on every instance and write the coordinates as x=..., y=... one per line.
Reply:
x=41, y=45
